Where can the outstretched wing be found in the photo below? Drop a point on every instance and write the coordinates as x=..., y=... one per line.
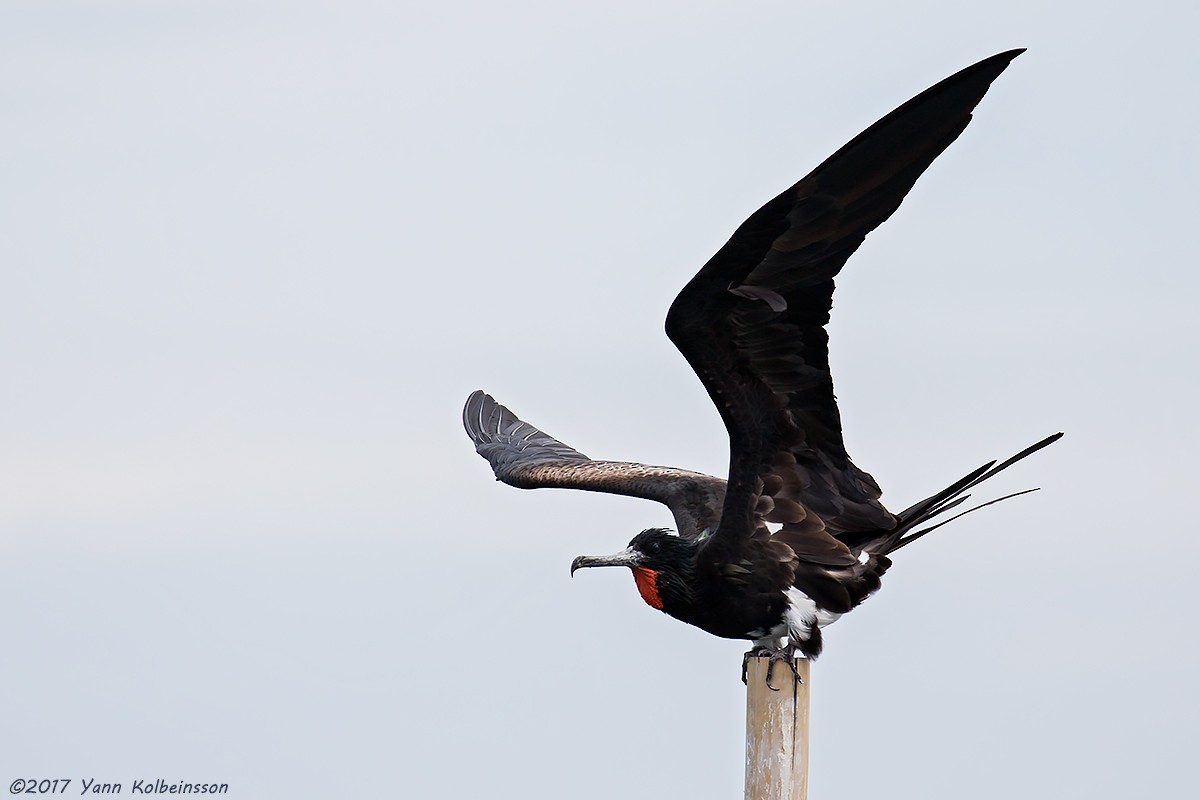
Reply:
x=523, y=456
x=751, y=324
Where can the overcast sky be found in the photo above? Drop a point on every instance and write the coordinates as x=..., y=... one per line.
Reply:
x=256, y=255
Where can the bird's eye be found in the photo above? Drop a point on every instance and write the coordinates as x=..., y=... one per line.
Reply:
x=653, y=548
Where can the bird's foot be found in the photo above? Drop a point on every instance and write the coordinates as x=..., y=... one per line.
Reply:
x=774, y=656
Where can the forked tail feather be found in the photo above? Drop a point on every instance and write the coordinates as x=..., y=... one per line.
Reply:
x=951, y=497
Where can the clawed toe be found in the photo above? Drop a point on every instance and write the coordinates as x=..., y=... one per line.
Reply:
x=773, y=657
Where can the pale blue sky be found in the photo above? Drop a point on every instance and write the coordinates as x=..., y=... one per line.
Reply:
x=258, y=253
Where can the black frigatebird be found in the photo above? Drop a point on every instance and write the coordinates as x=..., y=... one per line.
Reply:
x=796, y=536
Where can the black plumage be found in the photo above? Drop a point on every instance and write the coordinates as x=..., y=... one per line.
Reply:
x=796, y=535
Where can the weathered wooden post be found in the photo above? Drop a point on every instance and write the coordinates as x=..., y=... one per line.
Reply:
x=776, y=732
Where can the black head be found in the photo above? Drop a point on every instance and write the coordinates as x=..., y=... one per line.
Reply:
x=662, y=568
x=654, y=549
x=662, y=549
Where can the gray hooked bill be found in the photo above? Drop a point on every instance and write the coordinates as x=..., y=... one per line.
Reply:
x=626, y=558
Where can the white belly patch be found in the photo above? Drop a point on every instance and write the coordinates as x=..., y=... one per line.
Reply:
x=803, y=613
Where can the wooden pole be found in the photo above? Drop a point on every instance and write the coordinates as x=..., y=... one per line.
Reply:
x=776, y=732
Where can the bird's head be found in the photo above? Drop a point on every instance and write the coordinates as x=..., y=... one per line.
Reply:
x=660, y=562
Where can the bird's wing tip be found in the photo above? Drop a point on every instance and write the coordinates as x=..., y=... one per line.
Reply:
x=473, y=411
x=1006, y=55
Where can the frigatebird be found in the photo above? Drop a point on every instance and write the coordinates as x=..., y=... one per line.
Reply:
x=796, y=536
